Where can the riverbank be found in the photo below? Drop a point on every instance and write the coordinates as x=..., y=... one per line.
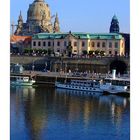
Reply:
x=52, y=77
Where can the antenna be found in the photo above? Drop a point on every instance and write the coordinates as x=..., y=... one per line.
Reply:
x=13, y=27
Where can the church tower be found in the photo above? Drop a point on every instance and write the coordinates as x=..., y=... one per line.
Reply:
x=20, y=25
x=56, y=27
x=114, y=27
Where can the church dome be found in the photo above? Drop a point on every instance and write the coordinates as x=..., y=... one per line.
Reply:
x=36, y=10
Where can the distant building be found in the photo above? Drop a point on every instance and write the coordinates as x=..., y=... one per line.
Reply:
x=19, y=43
x=78, y=43
x=127, y=43
x=39, y=20
x=114, y=27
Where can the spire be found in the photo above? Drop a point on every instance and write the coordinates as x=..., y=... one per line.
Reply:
x=56, y=24
x=56, y=18
x=114, y=27
x=20, y=17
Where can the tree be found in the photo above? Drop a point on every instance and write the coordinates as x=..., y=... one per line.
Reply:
x=84, y=52
x=49, y=52
x=91, y=52
x=97, y=52
x=102, y=53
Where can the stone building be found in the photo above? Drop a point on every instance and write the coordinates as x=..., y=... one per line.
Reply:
x=19, y=43
x=78, y=43
x=39, y=19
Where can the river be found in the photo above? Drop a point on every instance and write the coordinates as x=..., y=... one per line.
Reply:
x=45, y=113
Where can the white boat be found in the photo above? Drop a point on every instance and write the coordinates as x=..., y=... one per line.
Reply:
x=115, y=86
x=22, y=81
x=81, y=85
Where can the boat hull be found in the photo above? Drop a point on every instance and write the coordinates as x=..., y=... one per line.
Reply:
x=120, y=93
x=88, y=89
x=22, y=83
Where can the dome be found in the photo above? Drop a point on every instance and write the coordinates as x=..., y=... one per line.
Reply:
x=37, y=10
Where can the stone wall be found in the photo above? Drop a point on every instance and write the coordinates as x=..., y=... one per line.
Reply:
x=98, y=65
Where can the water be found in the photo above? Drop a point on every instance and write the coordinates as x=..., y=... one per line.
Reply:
x=43, y=113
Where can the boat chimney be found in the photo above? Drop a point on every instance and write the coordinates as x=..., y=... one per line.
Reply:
x=113, y=73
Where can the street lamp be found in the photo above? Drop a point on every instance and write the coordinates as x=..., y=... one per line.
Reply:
x=65, y=67
x=46, y=66
x=33, y=67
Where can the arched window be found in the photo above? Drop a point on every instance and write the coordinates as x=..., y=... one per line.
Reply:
x=49, y=43
x=65, y=43
x=103, y=44
x=98, y=44
x=75, y=43
x=110, y=44
x=83, y=44
x=44, y=43
x=39, y=43
x=116, y=44
x=93, y=44
x=58, y=43
x=34, y=43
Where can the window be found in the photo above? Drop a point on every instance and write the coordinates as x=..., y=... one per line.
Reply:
x=39, y=43
x=83, y=44
x=65, y=43
x=116, y=44
x=110, y=44
x=75, y=43
x=103, y=44
x=49, y=43
x=98, y=44
x=69, y=43
x=58, y=50
x=110, y=52
x=34, y=43
x=93, y=44
x=44, y=43
x=116, y=53
x=58, y=43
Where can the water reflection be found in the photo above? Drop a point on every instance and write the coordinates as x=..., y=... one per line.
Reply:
x=44, y=113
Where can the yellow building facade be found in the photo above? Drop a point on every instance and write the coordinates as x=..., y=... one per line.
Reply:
x=109, y=44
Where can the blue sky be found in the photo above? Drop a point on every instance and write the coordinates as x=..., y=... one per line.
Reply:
x=81, y=15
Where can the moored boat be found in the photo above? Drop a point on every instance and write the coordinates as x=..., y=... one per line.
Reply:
x=22, y=81
x=118, y=86
x=82, y=85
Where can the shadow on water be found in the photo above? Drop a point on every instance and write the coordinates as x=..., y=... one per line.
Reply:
x=42, y=113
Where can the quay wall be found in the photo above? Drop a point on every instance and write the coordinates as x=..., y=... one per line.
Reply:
x=56, y=64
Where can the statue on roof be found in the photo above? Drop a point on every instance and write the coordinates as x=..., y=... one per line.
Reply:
x=45, y=24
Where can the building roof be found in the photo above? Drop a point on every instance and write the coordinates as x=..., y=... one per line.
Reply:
x=79, y=35
x=15, y=38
